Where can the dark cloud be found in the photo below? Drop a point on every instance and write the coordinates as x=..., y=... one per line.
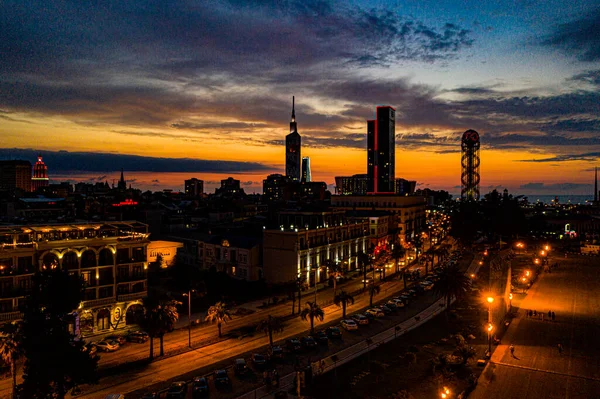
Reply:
x=580, y=37
x=589, y=156
x=72, y=162
x=556, y=187
x=592, y=77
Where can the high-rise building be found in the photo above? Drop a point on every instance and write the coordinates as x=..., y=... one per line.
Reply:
x=15, y=175
x=596, y=186
x=293, y=143
x=470, y=166
x=194, y=187
x=40, y=175
x=352, y=185
x=306, y=176
x=381, y=148
x=274, y=187
x=404, y=187
x=230, y=186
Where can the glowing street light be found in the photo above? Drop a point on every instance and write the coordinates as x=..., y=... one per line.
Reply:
x=543, y=253
x=445, y=393
x=472, y=275
x=485, y=253
x=490, y=299
x=547, y=248
x=527, y=273
x=536, y=261
x=489, y=330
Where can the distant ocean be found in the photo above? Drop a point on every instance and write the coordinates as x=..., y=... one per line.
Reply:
x=562, y=199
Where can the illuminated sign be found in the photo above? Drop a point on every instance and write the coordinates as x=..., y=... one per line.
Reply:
x=127, y=202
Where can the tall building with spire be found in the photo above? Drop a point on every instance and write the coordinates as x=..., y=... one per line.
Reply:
x=596, y=186
x=40, y=175
x=293, y=143
x=122, y=183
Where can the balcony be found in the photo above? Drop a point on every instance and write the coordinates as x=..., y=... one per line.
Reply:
x=132, y=277
x=11, y=316
x=131, y=297
x=13, y=292
x=98, y=302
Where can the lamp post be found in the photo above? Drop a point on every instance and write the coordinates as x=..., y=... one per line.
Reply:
x=189, y=295
x=445, y=394
x=510, y=302
x=490, y=300
x=489, y=329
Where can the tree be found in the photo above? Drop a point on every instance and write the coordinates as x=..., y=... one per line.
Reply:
x=466, y=352
x=218, y=313
x=364, y=260
x=311, y=312
x=269, y=326
x=292, y=289
x=397, y=253
x=300, y=280
x=334, y=270
x=373, y=290
x=418, y=242
x=342, y=300
x=167, y=316
x=10, y=351
x=452, y=282
x=55, y=362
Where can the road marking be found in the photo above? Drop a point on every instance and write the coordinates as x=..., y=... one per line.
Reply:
x=546, y=371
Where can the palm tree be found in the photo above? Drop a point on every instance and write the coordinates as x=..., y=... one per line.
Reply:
x=342, y=300
x=404, y=276
x=364, y=260
x=218, y=313
x=311, y=312
x=300, y=280
x=269, y=326
x=397, y=253
x=10, y=352
x=150, y=320
x=373, y=290
x=334, y=270
x=166, y=315
x=452, y=282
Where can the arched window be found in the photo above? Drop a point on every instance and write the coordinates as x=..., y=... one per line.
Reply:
x=88, y=259
x=70, y=262
x=106, y=257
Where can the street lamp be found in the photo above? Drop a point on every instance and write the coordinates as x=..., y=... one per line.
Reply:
x=189, y=295
x=489, y=329
x=510, y=302
x=445, y=393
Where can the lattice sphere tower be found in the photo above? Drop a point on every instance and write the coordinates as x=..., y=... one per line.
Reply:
x=470, y=166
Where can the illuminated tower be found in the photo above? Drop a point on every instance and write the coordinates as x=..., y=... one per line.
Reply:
x=40, y=175
x=470, y=166
x=293, y=143
x=306, y=175
x=381, y=152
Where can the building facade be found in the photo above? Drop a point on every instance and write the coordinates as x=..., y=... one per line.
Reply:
x=194, y=187
x=304, y=247
x=15, y=175
x=408, y=211
x=167, y=250
x=293, y=144
x=111, y=257
x=306, y=174
x=40, y=175
x=274, y=187
x=352, y=185
x=381, y=151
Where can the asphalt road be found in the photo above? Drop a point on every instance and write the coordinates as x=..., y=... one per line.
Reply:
x=537, y=369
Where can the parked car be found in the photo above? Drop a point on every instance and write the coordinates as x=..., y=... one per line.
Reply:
x=200, y=387
x=106, y=346
x=276, y=352
x=334, y=332
x=385, y=309
x=120, y=339
x=398, y=302
x=369, y=316
x=259, y=361
x=293, y=345
x=375, y=312
x=412, y=293
x=240, y=367
x=177, y=390
x=321, y=337
x=405, y=298
x=138, y=336
x=392, y=305
x=349, y=325
x=308, y=342
x=222, y=379
x=360, y=319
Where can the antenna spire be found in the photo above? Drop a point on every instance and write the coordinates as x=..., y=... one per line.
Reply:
x=293, y=109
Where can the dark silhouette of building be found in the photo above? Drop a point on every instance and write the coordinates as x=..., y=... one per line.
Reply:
x=122, y=183
x=381, y=146
x=15, y=174
x=596, y=186
x=470, y=166
x=230, y=186
x=352, y=185
x=306, y=175
x=404, y=187
x=293, y=143
x=194, y=187
x=40, y=175
x=274, y=187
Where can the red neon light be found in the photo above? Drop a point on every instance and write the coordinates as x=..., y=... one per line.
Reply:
x=386, y=106
x=127, y=202
x=375, y=188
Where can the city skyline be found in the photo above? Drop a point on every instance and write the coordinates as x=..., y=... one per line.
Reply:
x=525, y=76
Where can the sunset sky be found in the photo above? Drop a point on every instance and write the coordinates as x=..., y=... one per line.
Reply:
x=207, y=86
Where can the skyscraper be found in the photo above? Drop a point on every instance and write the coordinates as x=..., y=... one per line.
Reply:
x=40, y=175
x=293, y=143
x=194, y=187
x=381, y=148
x=15, y=174
x=470, y=166
x=306, y=176
x=596, y=186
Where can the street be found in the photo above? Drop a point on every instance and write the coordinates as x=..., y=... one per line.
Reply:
x=537, y=369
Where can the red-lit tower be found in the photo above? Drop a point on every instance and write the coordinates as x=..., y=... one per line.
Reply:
x=469, y=178
x=40, y=175
x=381, y=152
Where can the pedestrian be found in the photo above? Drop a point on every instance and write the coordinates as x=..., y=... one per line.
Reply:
x=530, y=313
x=535, y=313
x=549, y=315
x=560, y=349
x=553, y=316
x=512, y=350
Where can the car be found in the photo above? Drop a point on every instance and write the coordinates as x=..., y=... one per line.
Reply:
x=199, y=387
x=321, y=337
x=385, y=309
x=293, y=345
x=151, y=395
x=375, y=312
x=240, y=367
x=349, y=325
x=392, y=305
x=90, y=348
x=309, y=342
x=258, y=360
x=177, y=390
x=120, y=339
x=106, y=346
x=222, y=379
x=369, y=316
x=334, y=332
x=360, y=319
x=138, y=336
x=276, y=352
x=419, y=289
x=412, y=293
x=405, y=298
